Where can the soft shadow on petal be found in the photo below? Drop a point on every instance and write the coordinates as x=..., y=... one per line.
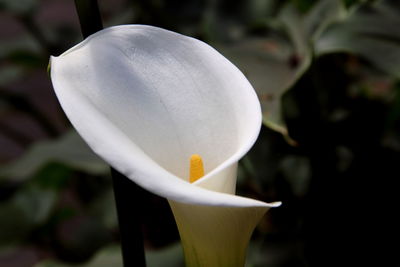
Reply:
x=172, y=95
x=223, y=181
x=145, y=99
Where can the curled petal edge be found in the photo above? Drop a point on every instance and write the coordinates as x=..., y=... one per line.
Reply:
x=115, y=147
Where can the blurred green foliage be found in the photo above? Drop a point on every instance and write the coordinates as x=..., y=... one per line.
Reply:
x=327, y=74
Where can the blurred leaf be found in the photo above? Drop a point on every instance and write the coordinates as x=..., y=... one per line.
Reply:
x=53, y=175
x=265, y=62
x=297, y=171
x=258, y=256
x=170, y=256
x=107, y=257
x=350, y=3
x=274, y=64
x=260, y=165
x=26, y=58
x=27, y=209
x=104, y=209
x=257, y=10
x=9, y=74
x=18, y=7
x=303, y=5
x=36, y=203
x=371, y=32
x=80, y=237
x=303, y=28
x=69, y=150
x=14, y=223
x=24, y=42
x=323, y=14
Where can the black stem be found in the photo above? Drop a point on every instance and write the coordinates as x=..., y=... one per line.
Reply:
x=89, y=16
x=128, y=198
x=128, y=195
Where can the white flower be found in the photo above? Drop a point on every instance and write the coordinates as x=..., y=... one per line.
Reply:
x=145, y=99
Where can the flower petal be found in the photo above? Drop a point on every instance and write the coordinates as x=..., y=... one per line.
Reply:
x=145, y=99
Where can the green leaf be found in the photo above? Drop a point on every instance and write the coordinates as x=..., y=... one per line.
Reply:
x=323, y=14
x=18, y=7
x=371, y=33
x=27, y=209
x=14, y=224
x=274, y=64
x=265, y=62
x=24, y=58
x=69, y=150
x=53, y=175
x=10, y=74
x=23, y=42
x=36, y=203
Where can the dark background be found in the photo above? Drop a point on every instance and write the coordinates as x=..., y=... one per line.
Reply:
x=327, y=74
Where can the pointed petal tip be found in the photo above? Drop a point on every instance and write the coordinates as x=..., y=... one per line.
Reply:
x=266, y=205
x=275, y=204
x=52, y=58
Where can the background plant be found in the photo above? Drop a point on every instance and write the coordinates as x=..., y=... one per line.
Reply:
x=327, y=75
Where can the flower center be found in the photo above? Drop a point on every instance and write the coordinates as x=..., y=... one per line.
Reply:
x=196, y=168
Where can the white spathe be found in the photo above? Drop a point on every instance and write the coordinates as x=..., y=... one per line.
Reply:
x=145, y=99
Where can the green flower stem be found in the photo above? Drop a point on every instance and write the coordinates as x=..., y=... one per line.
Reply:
x=128, y=196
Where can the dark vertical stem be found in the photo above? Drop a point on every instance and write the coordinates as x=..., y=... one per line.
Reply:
x=89, y=16
x=128, y=195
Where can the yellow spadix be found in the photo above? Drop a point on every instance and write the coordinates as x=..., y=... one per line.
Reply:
x=196, y=168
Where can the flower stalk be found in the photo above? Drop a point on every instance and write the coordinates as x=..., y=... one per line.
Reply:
x=129, y=209
x=89, y=16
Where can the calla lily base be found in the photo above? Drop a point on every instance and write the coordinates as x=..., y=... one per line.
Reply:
x=215, y=236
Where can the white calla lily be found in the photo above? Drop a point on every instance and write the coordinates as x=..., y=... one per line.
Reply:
x=145, y=99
